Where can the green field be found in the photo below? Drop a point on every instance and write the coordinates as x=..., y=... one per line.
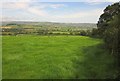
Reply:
x=53, y=57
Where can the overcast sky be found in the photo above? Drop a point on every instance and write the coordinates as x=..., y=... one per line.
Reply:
x=55, y=11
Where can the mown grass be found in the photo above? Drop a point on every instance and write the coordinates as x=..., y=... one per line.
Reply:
x=55, y=57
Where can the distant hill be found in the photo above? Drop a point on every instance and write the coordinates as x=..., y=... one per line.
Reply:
x=55, y=24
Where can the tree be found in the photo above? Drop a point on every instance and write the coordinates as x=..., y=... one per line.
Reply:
x=107, y=16
x=83, y=33
x=109, y=29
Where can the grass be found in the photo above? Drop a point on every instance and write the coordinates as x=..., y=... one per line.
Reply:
x=0, y=58
x=55, y=57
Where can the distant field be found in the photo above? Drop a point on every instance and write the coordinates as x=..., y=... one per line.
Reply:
x=40, y=57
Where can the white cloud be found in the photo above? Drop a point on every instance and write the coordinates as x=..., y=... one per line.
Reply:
x=8, y=18
x=16, y=0
x=49, y=5
x=37, y=11
x=60, y=0
x=42, y=14
x=83, y=16
x=80, y=14
x=101, y=0
x=15, y=5
x=23, y=6
x=94, y=3
x=57, y=5
x=76, y=17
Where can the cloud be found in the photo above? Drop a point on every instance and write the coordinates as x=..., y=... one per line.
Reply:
x=49, y=5
x=42, y=14
x=80, y=14
x=37, y=11
x=8, y=18
x=94, y=3
x=25, y=6
x=60, y=0
x=57, y=5
x=90, y=16
x=40, y=9
x=16, y=0
x=101, y=0
x=15, y=5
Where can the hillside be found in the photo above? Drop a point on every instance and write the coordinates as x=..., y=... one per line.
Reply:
x=80, y=25
x=46, y=28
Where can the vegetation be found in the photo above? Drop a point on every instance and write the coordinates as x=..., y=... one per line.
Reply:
x=0, y=58
x=63, y=50
x=108, y=30
x=39, y=57
x=45, y=28
x=108, y=26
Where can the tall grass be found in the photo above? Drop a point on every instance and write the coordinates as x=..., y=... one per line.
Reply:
x=55, y=57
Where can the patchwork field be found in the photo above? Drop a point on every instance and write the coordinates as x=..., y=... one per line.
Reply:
x=53, y=57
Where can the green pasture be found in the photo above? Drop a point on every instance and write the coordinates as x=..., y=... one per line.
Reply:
x=55, y=57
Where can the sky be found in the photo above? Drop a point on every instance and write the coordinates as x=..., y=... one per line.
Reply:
x=87, y=11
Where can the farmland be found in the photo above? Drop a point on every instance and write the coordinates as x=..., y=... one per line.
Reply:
x=54, y=57
x=45, y=28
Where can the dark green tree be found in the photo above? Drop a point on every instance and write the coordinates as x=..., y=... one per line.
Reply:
x=106, y=17
x=109, y=29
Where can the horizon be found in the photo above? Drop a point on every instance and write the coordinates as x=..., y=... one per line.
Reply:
x=49, y=22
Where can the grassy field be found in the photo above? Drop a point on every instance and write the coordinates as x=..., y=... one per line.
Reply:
x=0, y=58
x=40, y=57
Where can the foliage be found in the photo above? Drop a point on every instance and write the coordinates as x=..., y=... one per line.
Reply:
x=109, y=28
x=107, y=16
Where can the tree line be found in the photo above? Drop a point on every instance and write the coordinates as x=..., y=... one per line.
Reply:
x=108, y=28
